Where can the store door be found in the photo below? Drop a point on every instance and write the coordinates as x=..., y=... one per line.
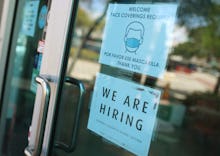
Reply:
x=21, y=66
x=91, y=74
x=71, y=135
x=74, y=70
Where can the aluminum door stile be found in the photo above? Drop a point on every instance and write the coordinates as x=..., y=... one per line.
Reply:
x=52, y=61
x=6, y=22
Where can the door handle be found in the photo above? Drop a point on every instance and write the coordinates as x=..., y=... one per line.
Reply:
x=36, y=151
x=69, y=148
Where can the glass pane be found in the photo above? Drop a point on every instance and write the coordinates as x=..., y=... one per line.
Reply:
x=18, y=95
x=188, y=117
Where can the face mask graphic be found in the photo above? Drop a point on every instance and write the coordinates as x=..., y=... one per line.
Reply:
x=133, y=40
x=132, y=43
x=133, y=36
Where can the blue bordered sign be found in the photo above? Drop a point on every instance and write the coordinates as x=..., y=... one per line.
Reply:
x=42, y=17
x=124, y=113
x=30, y=17
x=137, y=37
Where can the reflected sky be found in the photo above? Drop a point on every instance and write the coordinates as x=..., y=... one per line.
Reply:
x=94, y=7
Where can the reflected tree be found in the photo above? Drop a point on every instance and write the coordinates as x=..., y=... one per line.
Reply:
x=83, y=18
x=202, y=19
x=90, y=30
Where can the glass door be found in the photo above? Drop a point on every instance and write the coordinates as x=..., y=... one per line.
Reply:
x=72, y=137
x=159, y=110
x=72, y=132
x=18, y=94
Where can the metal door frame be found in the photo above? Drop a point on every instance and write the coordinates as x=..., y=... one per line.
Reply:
x=6, y=32
x=53, y=66
x=6, y=28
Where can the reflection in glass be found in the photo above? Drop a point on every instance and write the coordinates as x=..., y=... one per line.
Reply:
x=18, y=100
x=188, y=119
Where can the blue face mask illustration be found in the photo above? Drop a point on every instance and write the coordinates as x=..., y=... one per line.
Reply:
x=134, y=35
x=132, y=42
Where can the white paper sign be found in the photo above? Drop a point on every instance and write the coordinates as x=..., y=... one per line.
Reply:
x=30, y=17
x=124, y=113
x=137, y=37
